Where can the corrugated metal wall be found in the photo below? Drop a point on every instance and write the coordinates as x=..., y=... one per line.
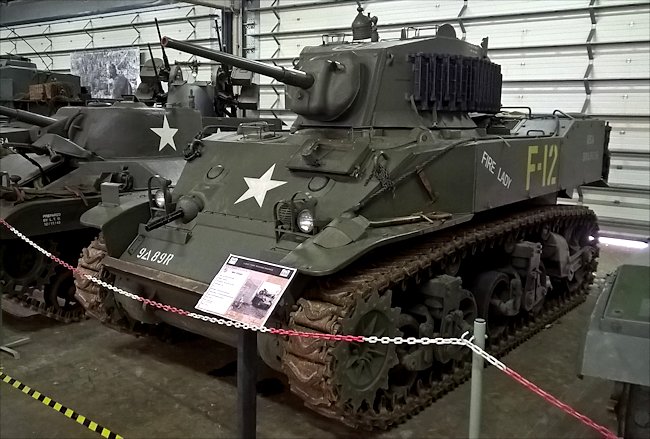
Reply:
x=56, y=40
x=574, y=55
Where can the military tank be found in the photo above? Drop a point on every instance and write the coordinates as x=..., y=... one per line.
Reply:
x=408, y=200
x=262, y=299
x=216, y=99
x=41, y=91
x=617, y=345
x=52, y=174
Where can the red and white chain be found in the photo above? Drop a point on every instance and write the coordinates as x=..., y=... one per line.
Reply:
x=464, y=340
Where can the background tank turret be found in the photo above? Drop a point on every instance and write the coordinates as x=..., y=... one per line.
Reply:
x=215, y=99
x=287, y=76
x=406, y=201
x=53, y=174
x=41, y=91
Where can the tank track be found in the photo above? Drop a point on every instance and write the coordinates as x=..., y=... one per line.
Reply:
x=309, y=364
x=100, y=304
x=38, y=305
x=28, y=299
x=90, y=263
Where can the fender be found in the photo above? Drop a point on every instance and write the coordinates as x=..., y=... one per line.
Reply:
x=339, y=245
x=119, y=222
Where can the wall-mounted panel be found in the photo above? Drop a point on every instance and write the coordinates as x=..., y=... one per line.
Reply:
x=623, y=26
x=544, y=97
x=630, y=135
x=546, y=65
x=612, y=98
x=622, y=61
x=532, y=32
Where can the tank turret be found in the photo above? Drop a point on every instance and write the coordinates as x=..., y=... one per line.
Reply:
x=405, y=83
x=42, y=91
x=92, y=128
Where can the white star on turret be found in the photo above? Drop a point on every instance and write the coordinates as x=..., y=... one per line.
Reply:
x=166, y=134
x=258, y=187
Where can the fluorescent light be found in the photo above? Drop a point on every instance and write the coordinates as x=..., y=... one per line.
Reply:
x=623, y=242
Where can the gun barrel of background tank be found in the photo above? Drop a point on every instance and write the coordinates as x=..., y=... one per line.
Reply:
x=27, y=116
x=288, y=76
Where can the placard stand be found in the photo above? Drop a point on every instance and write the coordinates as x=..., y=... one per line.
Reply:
x=247, y=384
x=8, y=347
x=230, y=296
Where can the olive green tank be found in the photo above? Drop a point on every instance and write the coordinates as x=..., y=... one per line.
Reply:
x=52, y=173
x=406, y=198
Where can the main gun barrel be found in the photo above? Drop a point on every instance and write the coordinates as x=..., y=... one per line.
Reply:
x=288, y=76
x=27, y=116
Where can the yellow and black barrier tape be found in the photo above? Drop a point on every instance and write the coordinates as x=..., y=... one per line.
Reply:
x=80, y=419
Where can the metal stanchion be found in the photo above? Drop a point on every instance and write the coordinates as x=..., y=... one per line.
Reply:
x=476, y=391
x=246, y=384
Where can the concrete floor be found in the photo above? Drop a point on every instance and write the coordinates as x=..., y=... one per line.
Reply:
x=146, y=388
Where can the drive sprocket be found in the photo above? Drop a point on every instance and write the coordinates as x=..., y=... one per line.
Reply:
x=360, y=370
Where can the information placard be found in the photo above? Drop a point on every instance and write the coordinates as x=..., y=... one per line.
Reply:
x=246, y=290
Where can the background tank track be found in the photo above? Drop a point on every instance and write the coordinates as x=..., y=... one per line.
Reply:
x=38, y=305
x=31, y=297
x=309, y=364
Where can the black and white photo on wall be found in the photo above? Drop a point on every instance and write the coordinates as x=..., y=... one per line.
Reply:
x=110, y=74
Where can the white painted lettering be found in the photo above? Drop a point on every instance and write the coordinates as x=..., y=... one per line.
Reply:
x=51, y=219
x=158, y=257
x=504, y=178
x=488, y=161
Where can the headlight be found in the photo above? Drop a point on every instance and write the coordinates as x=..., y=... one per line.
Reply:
x=159, y=198
x=305, y=221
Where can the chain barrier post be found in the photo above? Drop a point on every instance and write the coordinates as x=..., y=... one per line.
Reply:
x=476, y=390
x=246, y=384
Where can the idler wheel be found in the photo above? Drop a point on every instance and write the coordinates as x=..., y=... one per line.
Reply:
x=361, y=369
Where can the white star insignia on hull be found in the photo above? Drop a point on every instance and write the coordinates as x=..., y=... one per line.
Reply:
x=258, y=187
x=166, y=134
